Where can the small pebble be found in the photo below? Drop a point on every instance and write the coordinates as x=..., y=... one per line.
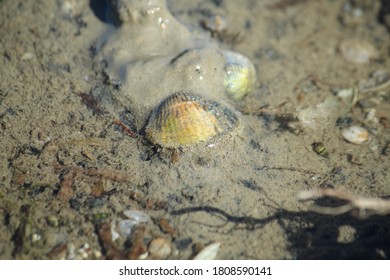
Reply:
x=97, y=254
x=358, y=51
x=52, y=221
x=36, y=237
x=160, y=248
x=374, y=147
x=355, y=134
x=27, y=56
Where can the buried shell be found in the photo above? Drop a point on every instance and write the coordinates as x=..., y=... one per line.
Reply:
x=239, y=75
x=185, y=119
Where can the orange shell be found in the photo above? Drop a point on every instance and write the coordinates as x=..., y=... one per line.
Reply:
x=184, y=119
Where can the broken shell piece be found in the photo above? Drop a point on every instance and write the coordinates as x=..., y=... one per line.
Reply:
x=355, y=134
x=358, y=51
x=136, y=215
x=209, y=252
x=125, y=227
x=348, y=96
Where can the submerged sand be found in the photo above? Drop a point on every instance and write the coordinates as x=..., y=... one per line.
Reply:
x=77, y=86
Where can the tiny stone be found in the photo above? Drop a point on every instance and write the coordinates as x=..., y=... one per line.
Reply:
x=355, y=134
x=97, y=254
x=27, y=56
x=160, y=248
x=75, y=204
x=52, y=221
x=183, y=244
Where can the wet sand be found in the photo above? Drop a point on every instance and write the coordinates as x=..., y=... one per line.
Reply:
x=77, y=86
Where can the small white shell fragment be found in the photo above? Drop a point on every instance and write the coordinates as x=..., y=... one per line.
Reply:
x=83, y=252
x=348, y=96
x=355, y=134
x=143, y=256
x=124, y=227
x=209, y=252
x=136, y=215
x=358, y=51
x=36, y=237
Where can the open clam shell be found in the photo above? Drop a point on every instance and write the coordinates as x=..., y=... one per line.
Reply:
x=184, y=119
x=239, y=75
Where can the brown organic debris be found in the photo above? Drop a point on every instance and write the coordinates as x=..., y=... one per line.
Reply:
x=148, y=202
x=91, y=103
x=125, y=129
x=138, y=246
x=95, y=177
x=111, y=250
x=58, y=252
x=166, y=227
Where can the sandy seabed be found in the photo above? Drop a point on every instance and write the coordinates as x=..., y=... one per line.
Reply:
x=74, y=158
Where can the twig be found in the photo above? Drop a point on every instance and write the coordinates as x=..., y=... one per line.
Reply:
x=361, y=207
x=125, y=129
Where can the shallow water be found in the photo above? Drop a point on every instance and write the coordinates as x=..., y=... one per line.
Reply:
x=77, y=91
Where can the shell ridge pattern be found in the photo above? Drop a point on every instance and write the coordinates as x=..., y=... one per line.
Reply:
x=184, y=119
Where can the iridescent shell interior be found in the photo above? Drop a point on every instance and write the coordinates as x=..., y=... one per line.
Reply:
x=185, y=119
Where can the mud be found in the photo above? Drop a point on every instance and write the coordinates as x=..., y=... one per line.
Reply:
x=80, y=78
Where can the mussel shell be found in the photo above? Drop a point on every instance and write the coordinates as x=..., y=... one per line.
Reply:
x=184, y=119
x=239, y=75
